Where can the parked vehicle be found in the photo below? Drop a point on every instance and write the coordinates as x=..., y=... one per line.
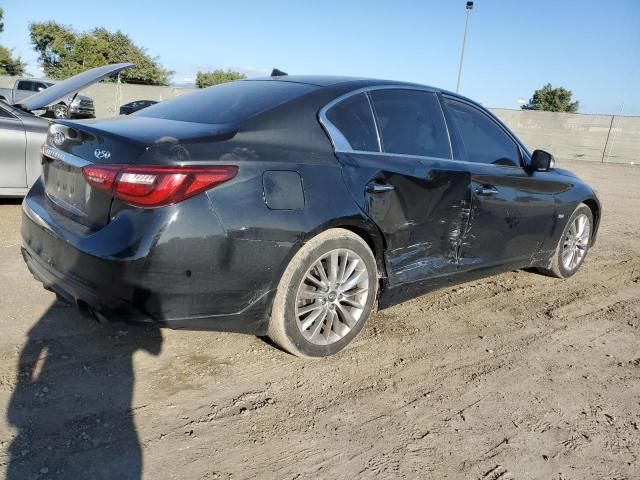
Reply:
x=129, y=108
x=71, y=106
x=293, y=206
x=23, y=133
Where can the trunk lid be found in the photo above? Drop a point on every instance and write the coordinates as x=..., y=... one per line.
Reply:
x=59, y=91
x=71, y=146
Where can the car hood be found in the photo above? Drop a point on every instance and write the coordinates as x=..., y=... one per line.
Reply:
x=56, y=92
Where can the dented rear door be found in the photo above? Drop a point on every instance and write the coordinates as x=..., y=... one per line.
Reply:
x=421, y=205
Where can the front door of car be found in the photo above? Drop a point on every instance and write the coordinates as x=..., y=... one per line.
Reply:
x=512, y=209
x=398, y=167
x=12, y=154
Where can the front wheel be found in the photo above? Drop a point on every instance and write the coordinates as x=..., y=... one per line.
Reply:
x=325, y=295
x=573, y=245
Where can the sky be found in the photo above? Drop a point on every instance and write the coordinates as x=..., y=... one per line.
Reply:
x=591, y=47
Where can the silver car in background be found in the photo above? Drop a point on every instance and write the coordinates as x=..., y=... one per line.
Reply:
x=23, y=131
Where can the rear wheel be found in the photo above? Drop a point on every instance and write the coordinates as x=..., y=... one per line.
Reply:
x=325, y=296
x=573, y=245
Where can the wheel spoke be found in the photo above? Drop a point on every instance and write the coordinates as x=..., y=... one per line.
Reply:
x=321, y=272
x=328, y=327
x=315, y=281
x=311, y=318
x=333, y=267
x=353, y=293
x=310, y=294
x=351, y=303
x=353, y=281
x=350, y=269
x=343, y=266
x=309, y=308
x=346, y=316
x=319, y=323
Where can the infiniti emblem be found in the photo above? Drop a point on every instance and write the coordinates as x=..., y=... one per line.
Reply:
x=101, y=154
x=58, y=138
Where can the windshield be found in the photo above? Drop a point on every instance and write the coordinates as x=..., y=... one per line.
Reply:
x=227, y=103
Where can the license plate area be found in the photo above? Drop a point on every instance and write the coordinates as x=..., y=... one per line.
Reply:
x=70, y=195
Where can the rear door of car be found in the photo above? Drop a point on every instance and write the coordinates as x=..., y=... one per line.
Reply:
x=512, y=208
x=395, y=154
x=12, y=153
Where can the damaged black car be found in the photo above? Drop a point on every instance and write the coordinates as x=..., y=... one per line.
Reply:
x=294, y=206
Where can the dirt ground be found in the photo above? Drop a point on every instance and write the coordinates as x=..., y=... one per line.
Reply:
x=518, y=376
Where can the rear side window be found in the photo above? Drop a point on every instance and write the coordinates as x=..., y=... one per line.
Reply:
x=411, y=123
x=227, y=103
x=353, y=119
x=483, y=139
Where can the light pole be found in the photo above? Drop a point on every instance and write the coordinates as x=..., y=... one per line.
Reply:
x=464, y=41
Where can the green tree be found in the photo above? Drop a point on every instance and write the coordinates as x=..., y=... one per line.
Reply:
x=207, y=79
x=552, y=100
x=63, y=53
x=8, y=64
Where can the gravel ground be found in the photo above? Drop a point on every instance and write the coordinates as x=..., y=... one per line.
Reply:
x=513, y=377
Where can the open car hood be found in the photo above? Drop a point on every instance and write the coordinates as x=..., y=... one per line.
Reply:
x=53, y=94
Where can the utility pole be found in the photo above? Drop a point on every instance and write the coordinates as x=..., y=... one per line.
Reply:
x=464, y=41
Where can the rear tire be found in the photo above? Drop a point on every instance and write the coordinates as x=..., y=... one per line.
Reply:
x=325, y=295
x=573, y=245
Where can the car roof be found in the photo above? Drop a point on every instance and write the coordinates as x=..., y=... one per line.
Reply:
x=331, y=80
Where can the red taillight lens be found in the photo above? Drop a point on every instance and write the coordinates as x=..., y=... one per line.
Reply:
x=102, y=177
x=144, y=186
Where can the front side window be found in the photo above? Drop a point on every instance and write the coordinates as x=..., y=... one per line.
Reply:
x=353, y=119
x=483, y=140
x=411, y=123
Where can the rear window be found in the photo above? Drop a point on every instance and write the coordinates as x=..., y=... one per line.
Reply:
x=227, y=103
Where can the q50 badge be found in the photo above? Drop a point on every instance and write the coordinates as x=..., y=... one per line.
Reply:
x=101, y=154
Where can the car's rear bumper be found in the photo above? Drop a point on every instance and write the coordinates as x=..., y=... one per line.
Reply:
x=168, y=283
x=105, y=308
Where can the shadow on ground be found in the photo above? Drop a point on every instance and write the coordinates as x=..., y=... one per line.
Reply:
x=72, y=404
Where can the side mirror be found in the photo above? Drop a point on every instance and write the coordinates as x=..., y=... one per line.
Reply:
x=542, y=161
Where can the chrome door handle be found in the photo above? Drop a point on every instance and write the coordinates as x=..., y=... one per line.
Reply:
x=376, y=187
x=486, y=190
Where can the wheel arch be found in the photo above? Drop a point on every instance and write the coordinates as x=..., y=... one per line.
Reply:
x=364, y=229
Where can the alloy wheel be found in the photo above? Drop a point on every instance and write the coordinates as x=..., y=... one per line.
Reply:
x=332, y=296
x=576, y=242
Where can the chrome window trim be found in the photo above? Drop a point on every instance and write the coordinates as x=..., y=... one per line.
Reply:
x=65, y=157
x=421, y=157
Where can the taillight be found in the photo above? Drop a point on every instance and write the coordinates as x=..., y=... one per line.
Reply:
x=146, y=186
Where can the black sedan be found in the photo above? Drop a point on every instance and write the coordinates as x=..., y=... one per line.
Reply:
x=131, y=107
x=294, y=206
